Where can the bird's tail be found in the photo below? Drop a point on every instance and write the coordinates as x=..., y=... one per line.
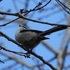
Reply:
x=54, y=29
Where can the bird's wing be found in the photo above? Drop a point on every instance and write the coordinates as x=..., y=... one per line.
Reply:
x=36, y=31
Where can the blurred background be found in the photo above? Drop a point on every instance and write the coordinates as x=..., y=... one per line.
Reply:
x=52, y=50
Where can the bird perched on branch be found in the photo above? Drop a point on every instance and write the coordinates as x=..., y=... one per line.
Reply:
x=31, y=38
x=28, y=38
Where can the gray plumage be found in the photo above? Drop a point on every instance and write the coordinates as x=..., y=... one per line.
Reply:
x=28, y=38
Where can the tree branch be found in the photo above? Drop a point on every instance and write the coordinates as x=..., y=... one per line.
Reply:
x=8, y=38
x=21, y=16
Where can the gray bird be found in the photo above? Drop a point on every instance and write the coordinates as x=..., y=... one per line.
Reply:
x=31, y=38
x=28, y=38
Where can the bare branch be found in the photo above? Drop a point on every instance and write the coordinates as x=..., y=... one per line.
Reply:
x=26, y=50
x=63, y=6
x=45, y=62
x=49, y=47
x=21, y=16
x=37, y=7
x=22, y=62
x=9, y=22
x=1, y=61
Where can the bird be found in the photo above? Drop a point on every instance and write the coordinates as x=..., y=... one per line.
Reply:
x=28, y=38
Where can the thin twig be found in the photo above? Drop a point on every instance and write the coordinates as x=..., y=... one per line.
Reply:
x=9, y=22
x=21, y=16
x=63, y=6
x=49, y=47
x=23, y=54
x=1, y=61
x=19, y=53
x=36, y=7
x=8, y=38
x=41, y=58
x=43, y=5
x=64, y=54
